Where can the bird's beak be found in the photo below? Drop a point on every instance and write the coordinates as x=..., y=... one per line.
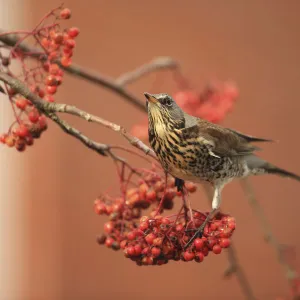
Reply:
x=151, y=98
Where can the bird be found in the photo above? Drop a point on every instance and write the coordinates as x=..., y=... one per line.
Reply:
x=194, y=149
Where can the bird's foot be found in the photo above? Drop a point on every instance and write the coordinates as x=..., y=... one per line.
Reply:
x=179, y=183
x=199, y=231
x=197, y=234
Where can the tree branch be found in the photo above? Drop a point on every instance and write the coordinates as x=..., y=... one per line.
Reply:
x=234, y=265
x=290, y=273
x=115, y=85
x=50, y=110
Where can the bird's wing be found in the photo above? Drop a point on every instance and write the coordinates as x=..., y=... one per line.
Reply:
x=220, y=141
x=250, y=138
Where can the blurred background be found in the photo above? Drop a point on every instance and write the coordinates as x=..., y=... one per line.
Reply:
x=48, y=226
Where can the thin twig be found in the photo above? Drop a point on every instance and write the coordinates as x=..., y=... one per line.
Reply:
x=99, y=148
x=115, y=85
x=49, y=109
x=234, y=265
x=158, y=63
x=290, y=273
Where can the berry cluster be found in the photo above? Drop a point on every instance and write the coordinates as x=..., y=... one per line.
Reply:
x=156, y=239
x=160, y=239
x=212, y=104
x=43, y=76
x=23, y=134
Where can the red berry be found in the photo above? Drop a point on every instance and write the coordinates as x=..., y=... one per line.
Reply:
x=11, y=92
x=231, y=225
x=66, y=61
x=179, y=227
x=109, y=209
x=21, y=103
x=146, y=251
x=58, y=38
x=151, y=196
x=159, y=186
x=65, y=13
x=165, y=221
x=205, y=251
x=130, y=250
x=144, y=219
x=45, y=42
x=53, y=69
x=224, y=242
x=53, y=55
x=101, y=239
x=22, y=131
x=188, y=256
x=108, y=227
x=155, y=251
x=100, y=208
x=158, y=241
x=51, y=89
x=33, y=116
x=10, y=141
x=2, y=138
x=191, y=187
x=198, y=243
x=109, y=241
x=144, y=226
x=70, y=43
x=51, y=80
x=123, y=244
x=131, y=235
x=225, y=232
x=58, y=79
x=199, y=257
x=49, y=98
x=211, y=242
x=41, y=93
x=29, y=140
x=217, y=249
x=20, y=144
x=213, y=227
x=73, y=32
x=150, y=238
x=137, y=249
x=43, y=122
x=68, y=52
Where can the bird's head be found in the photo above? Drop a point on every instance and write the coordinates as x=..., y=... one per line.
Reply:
x=163, y=111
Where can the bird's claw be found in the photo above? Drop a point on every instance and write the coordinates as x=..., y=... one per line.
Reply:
x=179, y=183
x=197, y=234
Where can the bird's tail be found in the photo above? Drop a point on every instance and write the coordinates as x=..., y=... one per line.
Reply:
x=258, y=166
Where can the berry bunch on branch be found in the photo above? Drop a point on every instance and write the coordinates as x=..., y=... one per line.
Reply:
x=154, y=239
x=142, y=218
x=39, y=70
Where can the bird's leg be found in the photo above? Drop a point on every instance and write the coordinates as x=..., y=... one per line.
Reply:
x=215, y=206
x=179, y=183
x=163, y=196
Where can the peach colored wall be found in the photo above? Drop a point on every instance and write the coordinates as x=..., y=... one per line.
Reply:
x=256, y=43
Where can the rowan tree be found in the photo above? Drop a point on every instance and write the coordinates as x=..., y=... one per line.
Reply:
x=141, y=220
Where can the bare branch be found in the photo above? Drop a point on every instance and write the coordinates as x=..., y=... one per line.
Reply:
x=290, y=273
x=99, y=148
x=154, y=65
x=49, y=109
x=234, y=265
x=116, y=86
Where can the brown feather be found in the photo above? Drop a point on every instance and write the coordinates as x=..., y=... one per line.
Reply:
x=225, y=142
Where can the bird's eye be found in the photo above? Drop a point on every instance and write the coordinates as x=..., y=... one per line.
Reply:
x=168, y=102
